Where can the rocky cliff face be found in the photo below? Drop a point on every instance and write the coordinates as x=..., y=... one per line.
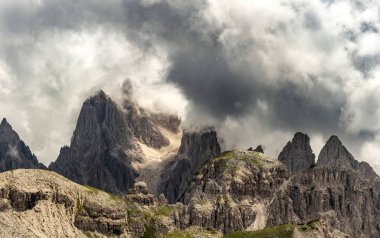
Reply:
x=40, y=203
x=297, y=155
x=109, y=141
x=100, y=153
x=195, y=150
x=231, y=192
x=335, y=190
x=335, y=154
x=14, y=154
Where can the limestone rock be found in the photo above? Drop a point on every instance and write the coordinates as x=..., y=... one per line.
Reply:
x=231, y=192
x=297, y=155
x=338, y=195
x=334, y=153
x=98, y=154
x=139, y=194
x=195, y=150
x=14, y=154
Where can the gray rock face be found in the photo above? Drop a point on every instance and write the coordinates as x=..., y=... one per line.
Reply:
x=337, y=195
x=231, y=191
x=97, y=154
x=259, y=149
x=14, y=154
x=145, y=125
x=195, y=150
x=334, y=153
x=297, y=155
x=339, y=190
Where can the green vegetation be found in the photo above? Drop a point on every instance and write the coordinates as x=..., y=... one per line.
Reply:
x=115, y=197
x=92, y=190
x=163, y=210
x=90, y=235
x=80, y=204
x=150, y=232
x=282, y=231
x=192, y=232
x=179, y=234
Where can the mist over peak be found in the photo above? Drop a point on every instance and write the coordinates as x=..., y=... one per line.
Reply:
x=255, y=71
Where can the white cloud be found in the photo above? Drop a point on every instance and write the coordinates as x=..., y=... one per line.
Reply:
x=297, y=59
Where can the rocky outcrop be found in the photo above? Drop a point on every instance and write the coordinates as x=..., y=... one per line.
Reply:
x=259, y=149
x=40, y=203
x=337, y=195
x=146, y=125
x=231, y=192
x=313, y=229
x=14, y=154
x=338, y=189
x=334, y=154
x=297, y=155
x=195, y=150
x=107, y=141
x=101, y=150
x=140, y=194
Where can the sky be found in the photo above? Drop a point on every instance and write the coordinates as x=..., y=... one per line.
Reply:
x=256, y=71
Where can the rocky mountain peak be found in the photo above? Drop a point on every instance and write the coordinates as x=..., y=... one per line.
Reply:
x=14, y=153
x=334, y=153
x=101, y=121
x=259, y=149
x=195, y=150
x=194, y=142
x=97, y=155
x=297, y=155
x=4, y=124
x=7, y=134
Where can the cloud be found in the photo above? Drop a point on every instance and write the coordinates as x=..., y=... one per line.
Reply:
x=256, y=70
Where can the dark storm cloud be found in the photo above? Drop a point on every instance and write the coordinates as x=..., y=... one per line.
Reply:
x=201, y=68
x=260, y=67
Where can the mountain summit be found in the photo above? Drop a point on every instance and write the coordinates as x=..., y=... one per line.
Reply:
x=297, y=155
x=14, y=154
x=97, y=154
x=334, y=153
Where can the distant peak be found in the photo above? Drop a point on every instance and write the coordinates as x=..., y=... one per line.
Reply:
x=334, y=140
x=334, y=153
x=258, y=149
x=297, y=155
x=300, y=135
x=101, y=94
x=5, y=124
x=4, y=121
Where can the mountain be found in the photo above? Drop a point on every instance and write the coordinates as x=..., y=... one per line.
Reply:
x=14, y=154
x=41, y=203
x=335, y=154
x=101, y=149
x=175, y=183
x=195, y=150
x=336, y=190
x=297, y=155
x=231, y=191
x=112, y=145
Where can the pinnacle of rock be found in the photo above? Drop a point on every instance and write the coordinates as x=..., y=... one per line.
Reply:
x=297, y=155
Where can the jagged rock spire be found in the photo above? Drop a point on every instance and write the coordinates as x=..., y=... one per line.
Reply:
x=196, y=149
x=97, y=154
x=297, y=155
x=259, y=149
x=334, y=153
x=14, y=154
